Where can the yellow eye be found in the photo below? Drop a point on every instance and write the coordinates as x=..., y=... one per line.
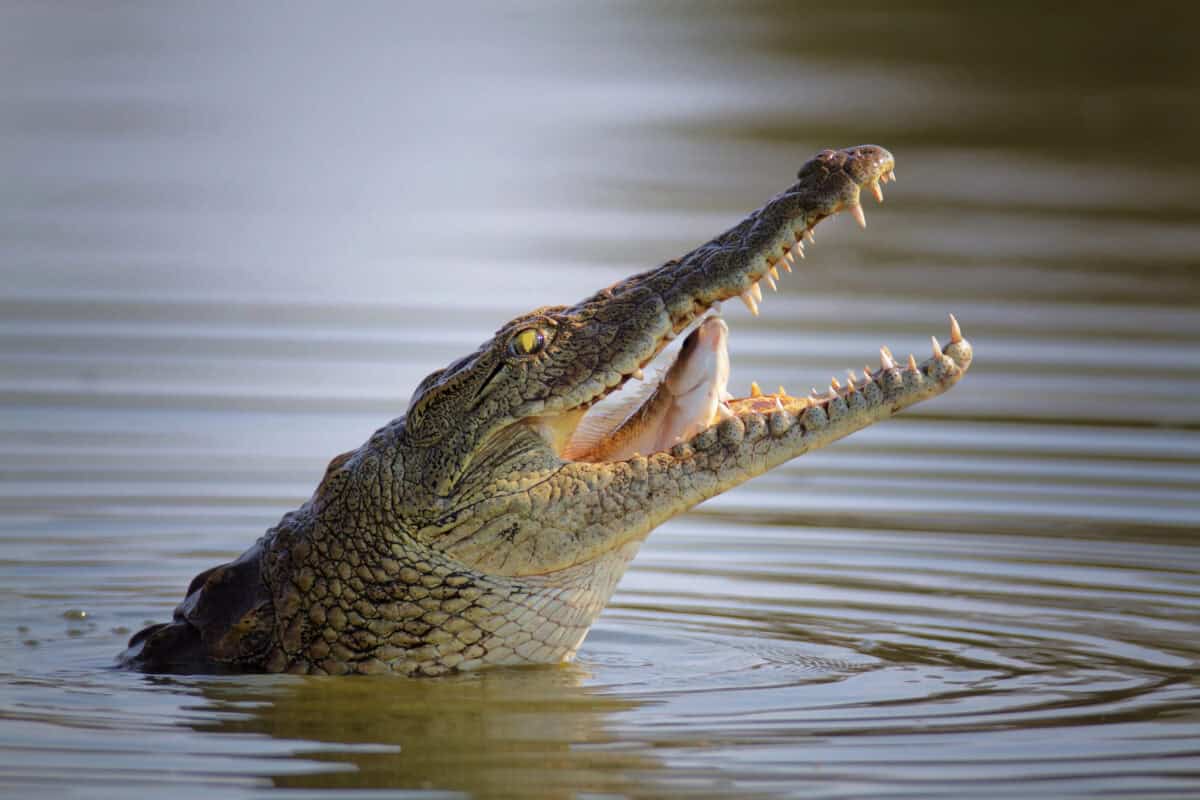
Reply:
x=527, y=342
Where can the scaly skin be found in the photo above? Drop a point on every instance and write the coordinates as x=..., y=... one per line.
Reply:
x=457, y=537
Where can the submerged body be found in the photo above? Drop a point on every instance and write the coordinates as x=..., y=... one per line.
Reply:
x=490, y=524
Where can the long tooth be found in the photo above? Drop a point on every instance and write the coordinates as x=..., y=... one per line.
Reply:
x=937, y=348
x=782, y=391
x=778, y=404
x=787, y=261
x=756, y=292
x=853, y=388
x=888, y=350
x=799, y=248
x=749, y=301
x=808, y=234
x=866, y=372
x=955, y=331
x=892, y=174
x=834, y=383
x=912, y=362
x=878, y=192
x=770, y=281
x=859, y=217
x=774, y=273
x=832, y=393
x=754, y=390
x=724, y=412
x=885, y=359
x=639, y=375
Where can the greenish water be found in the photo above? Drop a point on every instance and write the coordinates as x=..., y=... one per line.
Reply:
x=232, y=241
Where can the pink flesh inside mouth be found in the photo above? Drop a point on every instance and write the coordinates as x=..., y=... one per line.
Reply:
x=688, y=396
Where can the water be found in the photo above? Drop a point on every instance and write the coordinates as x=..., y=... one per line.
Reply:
x=232, y=243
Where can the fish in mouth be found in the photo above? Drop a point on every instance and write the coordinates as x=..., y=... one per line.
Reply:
x=490, y=524
x=688, y=396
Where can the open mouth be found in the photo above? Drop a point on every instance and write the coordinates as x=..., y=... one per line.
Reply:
x=690, y=394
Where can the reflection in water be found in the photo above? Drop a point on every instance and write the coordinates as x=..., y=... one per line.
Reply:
x=487, y=734
x=232, y=243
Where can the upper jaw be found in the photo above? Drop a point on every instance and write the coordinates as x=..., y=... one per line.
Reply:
x=772, y=238
x=672, y=298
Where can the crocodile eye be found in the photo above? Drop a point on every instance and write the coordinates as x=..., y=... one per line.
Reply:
x=527, y=342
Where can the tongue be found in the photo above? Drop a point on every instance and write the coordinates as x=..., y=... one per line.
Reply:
x=687, y=399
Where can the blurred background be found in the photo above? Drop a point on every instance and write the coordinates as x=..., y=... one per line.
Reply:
x=234, y=237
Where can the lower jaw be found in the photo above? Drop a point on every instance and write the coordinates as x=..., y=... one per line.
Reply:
x=895, y=382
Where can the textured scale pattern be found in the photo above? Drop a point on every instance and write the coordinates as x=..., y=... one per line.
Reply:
x=458, y=538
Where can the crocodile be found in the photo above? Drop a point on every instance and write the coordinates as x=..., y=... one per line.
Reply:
x=489, y=525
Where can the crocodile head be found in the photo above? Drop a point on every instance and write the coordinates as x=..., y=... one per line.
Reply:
x=490, y=524
x=488, y=439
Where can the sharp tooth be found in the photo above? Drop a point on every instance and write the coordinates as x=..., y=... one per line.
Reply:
x=834, y=383
x=888, y=350
x=782, y=391
x=955, y=331
x=774, y=273
x=937, y=348
x=778, y=404
x=787, y=261
x=749, y=301
x=866, y=373
x=814, y=393
x=859, y=217
x=912, y=362
x=808, y=234
x=885, y=359
x=799, y=248
x=770, y=281
x=639, y=375
x=891, y=174
x=853, y=388
x=724, y=412
x=754, y=390
x=878, y=192
x=756, y=292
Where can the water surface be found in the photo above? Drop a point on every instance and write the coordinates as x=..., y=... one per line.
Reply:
x=232, y=243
